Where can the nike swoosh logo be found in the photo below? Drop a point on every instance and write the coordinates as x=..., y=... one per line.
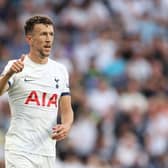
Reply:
x=28, y=80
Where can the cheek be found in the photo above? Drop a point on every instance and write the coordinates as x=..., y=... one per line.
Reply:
x=37, y=42
x=52, y=38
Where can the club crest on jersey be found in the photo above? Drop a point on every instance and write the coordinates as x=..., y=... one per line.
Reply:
x=57, y=83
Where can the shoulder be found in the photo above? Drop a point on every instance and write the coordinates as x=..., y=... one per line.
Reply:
x=57, y=65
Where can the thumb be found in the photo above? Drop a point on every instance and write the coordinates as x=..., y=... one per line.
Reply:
x=22, y=57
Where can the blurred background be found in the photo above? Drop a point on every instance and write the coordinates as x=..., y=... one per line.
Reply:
x=116, y=52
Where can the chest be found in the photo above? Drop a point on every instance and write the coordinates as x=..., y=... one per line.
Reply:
x=37, y=87
x=40, y=79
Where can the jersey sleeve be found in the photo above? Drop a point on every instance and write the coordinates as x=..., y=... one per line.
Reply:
x=7, y=67
x=66, y=87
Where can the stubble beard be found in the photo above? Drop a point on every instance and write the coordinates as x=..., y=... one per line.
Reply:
x=43, y=55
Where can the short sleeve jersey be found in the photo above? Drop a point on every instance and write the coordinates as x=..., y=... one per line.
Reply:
x=34, y=97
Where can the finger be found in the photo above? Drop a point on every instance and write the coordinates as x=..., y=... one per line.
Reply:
x=58, y=136
x=22, y=58
x=59, y=132
x=18, y=65
x=57, y=128
x=60, y=139
x=14, y=69
x=17, y=68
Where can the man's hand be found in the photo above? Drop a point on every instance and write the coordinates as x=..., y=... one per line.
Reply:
x=17, y=66
x=60, y=131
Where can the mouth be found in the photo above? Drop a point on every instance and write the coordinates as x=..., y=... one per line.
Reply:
x=47, y=46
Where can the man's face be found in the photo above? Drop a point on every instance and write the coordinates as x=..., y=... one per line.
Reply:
x=41, y=39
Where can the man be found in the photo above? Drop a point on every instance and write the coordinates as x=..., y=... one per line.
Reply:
x=37, y=86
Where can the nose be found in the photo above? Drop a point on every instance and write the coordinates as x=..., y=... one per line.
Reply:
x=48, y=38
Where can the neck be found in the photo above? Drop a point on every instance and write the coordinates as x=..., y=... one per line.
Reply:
x=37, y=58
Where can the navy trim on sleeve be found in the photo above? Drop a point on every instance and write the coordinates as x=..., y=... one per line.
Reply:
x=9, y=83
x=65, y=94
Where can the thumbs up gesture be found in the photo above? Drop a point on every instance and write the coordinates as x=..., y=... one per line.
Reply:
x=17, y=66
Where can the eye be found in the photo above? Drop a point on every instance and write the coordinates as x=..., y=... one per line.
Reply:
x=51, y=34
x=46, y=33
x=43, y=33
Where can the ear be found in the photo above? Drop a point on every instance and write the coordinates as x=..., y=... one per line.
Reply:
x=28, y=39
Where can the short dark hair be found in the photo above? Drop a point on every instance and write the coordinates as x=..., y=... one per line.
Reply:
x=31, y=22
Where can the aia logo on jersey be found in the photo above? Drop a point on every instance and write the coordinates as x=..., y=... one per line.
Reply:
x=41, y=99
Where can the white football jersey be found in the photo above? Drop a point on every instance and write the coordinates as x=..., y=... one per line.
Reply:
x=34, y=97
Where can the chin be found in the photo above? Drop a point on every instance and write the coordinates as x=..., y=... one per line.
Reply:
x=44, y=55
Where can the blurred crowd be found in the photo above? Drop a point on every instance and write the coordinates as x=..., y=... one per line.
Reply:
x=116, y=52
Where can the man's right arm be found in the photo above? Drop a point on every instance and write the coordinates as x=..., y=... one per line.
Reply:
x=16, y=67
x=4, y=85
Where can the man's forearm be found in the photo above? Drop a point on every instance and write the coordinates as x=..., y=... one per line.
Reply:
x=4, y=83
x=60, y=131
x=66, y=110
x=67, y=118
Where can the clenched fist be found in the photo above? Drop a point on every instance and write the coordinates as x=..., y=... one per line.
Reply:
x=60, y=131
x=17, y=66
